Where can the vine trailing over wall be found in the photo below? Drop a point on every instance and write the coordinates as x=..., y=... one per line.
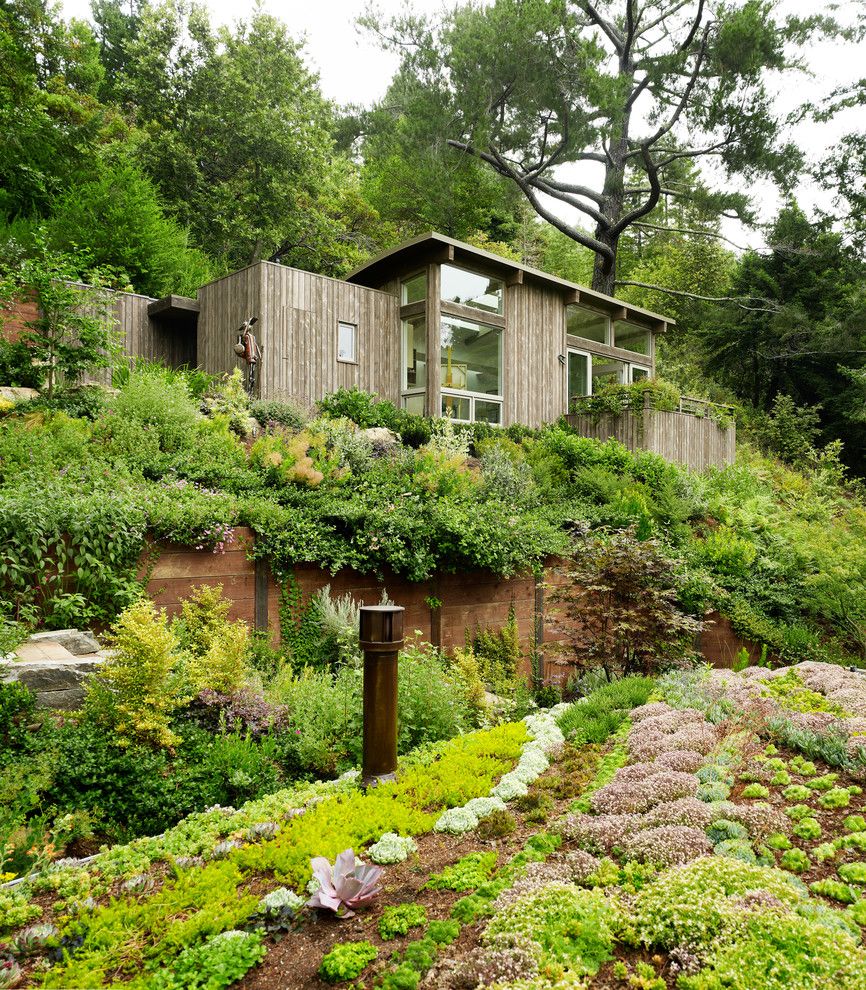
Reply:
x=657, y=394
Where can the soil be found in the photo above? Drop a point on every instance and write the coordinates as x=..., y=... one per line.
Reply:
x=292, y=963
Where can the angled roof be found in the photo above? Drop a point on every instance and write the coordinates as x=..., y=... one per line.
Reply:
x=418, y=250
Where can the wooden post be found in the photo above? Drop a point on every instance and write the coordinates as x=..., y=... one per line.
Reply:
x=381, y=629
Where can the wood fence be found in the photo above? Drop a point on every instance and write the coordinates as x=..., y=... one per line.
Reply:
x=688, y=436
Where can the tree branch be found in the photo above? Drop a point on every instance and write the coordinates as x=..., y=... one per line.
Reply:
x=690, y=230
x=740, y=301
x=613, y=35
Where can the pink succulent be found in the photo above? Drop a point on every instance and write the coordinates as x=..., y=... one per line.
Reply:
x=345, y=885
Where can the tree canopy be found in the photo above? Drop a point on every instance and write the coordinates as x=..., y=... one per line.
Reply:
x=589, y=107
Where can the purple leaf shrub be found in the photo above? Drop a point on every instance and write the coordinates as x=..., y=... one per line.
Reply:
x=345, y=886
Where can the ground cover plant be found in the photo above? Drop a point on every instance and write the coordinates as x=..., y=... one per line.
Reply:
x=172, y=455
x=634, y=877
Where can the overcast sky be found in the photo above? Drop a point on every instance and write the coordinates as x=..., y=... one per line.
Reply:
x=354, y=70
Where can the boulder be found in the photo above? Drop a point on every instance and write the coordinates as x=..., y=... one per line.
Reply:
x=14, y=393
x=56, y=683
x=380, y=437
x=76, y=641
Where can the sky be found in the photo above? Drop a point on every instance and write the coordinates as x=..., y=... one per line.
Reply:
x=353, y=69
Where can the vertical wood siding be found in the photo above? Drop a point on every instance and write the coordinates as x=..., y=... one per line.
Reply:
x=300, y=312
x=225, y=305
x=534, y=379
x=693, y=441
x=139, y=336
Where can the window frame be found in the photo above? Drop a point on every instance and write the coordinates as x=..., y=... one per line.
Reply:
x=583, y=353
x=473, y=397
x=356, y=342
x=443, y=302
x=609, y=322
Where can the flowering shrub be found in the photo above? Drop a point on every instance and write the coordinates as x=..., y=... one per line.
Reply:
x=666, y=845
x=597, y=833
x=684, y=811
x=683, y=760
x=571, y=927
x=626, y=797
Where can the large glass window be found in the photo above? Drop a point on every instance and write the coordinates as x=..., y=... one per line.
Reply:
x=471, y=358
x=471, y=289
x=607, y=371
x=414, y=403
x=586, y=323
x=414, y=353
x=578, y=375
x=633, y=338
x=414, y=289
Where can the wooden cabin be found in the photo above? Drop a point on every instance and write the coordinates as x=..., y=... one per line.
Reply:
x=511, y=343
x=438, y=327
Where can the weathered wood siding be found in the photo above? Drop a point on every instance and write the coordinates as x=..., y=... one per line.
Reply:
x=225, y=305
x=693, y=441
x=139, y=336
x=299, y=315
x=534, y=337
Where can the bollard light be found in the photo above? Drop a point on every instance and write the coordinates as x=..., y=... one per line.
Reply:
x=381, y=639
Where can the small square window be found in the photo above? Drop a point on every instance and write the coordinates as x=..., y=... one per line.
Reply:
x=347, y=343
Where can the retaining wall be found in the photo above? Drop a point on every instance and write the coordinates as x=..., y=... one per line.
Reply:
x=469, y=600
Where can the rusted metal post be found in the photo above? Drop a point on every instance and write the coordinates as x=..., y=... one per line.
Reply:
x=381, y=639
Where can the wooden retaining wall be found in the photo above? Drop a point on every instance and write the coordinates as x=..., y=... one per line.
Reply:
x=469, y=601
x=693, y=441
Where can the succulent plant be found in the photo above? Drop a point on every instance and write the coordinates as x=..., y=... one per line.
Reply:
x=262, y=831
x=346, y=885
x=33, y=938
x=222, y=849
x=10, y=973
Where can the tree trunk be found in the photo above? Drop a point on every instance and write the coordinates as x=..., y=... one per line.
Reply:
x=604, y=269
x=613, y=203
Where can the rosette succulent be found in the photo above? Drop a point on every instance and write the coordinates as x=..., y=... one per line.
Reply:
x=345, y=886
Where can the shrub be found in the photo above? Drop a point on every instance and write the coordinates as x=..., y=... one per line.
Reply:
x=398, y=919
x=346, y=961
x=215, y=648
x=138, y=687
x=620, y=606
x=219, y=962
x=284, y=414
x=795, y=860
x=158, y=403
x=833, y=889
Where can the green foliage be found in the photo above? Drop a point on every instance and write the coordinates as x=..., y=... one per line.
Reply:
x=346, y=961
x=138, y=688
x=219, y=962
x=573, y=927
x=853, y=872
x=466, y=874
x=17, y=367
x=836, y=797
x=215, y=648
x=833, y=889
x=795, y=860
x=443, y=932
x=755, y=791
x=776, y=951
x=74, y=331
x=605, y=710
x=808, y=829
x=397, y=919
x=796, y=792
